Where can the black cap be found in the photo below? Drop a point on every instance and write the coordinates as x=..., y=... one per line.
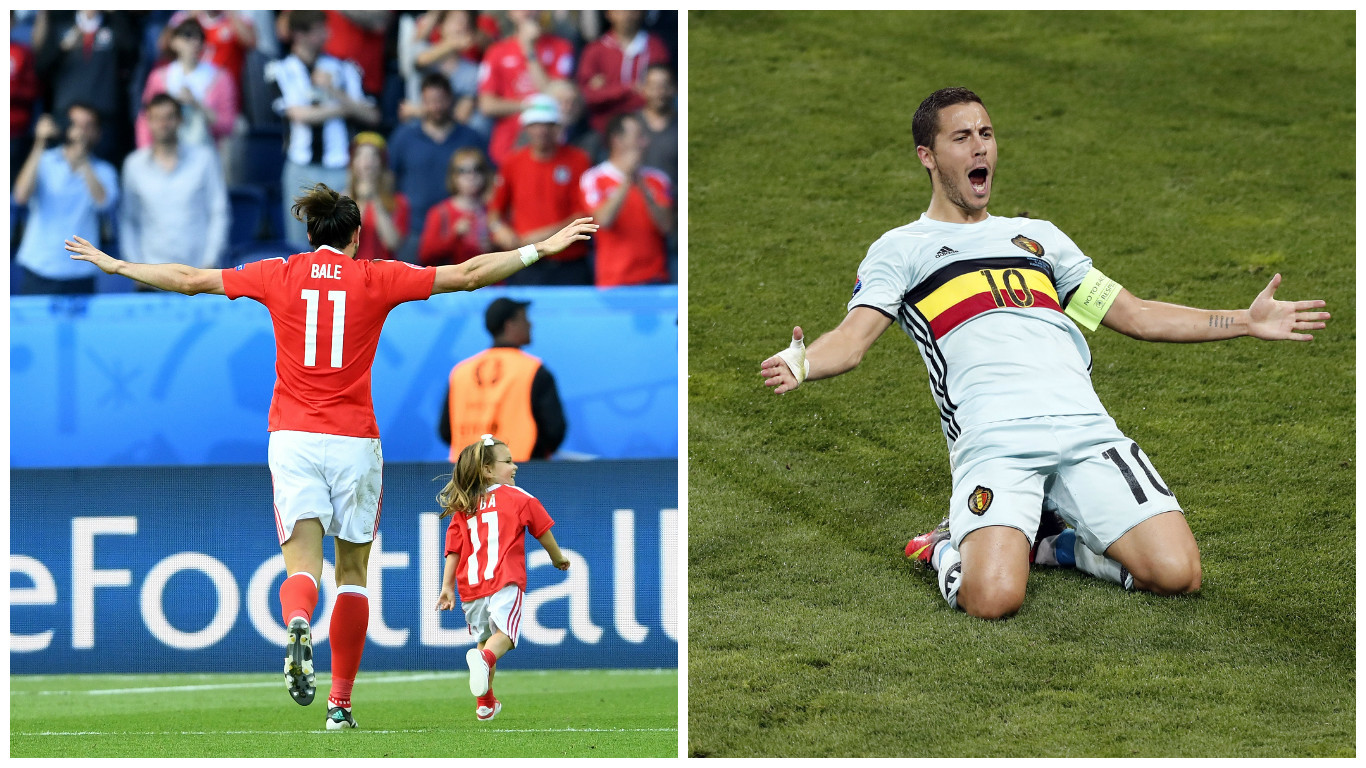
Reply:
x=500, y=311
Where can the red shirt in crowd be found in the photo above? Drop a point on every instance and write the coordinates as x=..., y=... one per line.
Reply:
x=348, y=40
x=452, y=234
x=23, y=91
x=489, y=545
x=327, y=311
x=504, y=73
x=631, y=250
x=531, y=193
x=371, y=247
x=610, y=73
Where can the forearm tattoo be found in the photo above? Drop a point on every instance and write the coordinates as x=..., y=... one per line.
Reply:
x=1220, y=321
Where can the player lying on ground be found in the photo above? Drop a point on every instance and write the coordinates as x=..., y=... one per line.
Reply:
x=324, y=454
x=993, y=305
x=490, y=516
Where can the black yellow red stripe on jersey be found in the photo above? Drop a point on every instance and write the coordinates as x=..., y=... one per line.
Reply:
x=965, y=289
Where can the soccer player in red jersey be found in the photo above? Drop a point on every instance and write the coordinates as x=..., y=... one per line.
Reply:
x=324, y=453
x=485, y=545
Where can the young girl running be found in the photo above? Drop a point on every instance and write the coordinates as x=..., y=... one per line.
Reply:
x=484, y=544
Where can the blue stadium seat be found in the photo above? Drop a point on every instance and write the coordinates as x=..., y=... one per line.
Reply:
x=248, y=204
x=255, y=251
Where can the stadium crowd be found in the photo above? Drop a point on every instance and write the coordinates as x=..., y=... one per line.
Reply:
x=184, y=135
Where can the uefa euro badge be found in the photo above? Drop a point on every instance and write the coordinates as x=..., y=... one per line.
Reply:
x=980, y=500
x=1029, y=245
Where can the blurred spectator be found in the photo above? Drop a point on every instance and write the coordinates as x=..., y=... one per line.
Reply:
x=574, y=127
x=384, y=213
x=23, y=93
x=207, y=94
x=66, y=189
x=418, y=150
x=537, y=193
x=451, y=43
x=633, y=205
x=87, y=57
x=318, y=96
x=457, y=228
x=175, y=205
x=514, y=68
x=355, y=36
x=661, y=121
x=227, y=37
x=504, y=391
x=263, y=23
x=612, y=71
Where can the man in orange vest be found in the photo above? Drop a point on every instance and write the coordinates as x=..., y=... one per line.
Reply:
x=503, y=391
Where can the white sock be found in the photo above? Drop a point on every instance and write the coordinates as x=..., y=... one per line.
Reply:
x=950, y=567
x=1102, y=567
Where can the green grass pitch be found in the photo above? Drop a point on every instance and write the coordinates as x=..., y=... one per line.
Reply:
x=578, y=713
x=1192, y=155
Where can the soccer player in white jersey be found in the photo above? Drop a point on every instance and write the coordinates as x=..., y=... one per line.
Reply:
x=325, y=461
x=994, y=305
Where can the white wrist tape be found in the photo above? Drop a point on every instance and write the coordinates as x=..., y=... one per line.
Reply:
x=795, y=357
x=529, y=254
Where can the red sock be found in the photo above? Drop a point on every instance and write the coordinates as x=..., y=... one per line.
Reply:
x=490, y=659
x=346, y=634
x=298, y=596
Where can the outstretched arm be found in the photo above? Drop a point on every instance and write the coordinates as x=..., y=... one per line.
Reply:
x=1266, y=319
x=835, y=352
x=557, y=557
x=489, y=268
x=168, y=277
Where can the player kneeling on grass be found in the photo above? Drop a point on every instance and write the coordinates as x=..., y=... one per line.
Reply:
x=486, y=556
x=995, y=306
x=326, y=465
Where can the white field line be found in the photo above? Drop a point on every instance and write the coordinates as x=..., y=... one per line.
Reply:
x=358, y=731
x=382, y=678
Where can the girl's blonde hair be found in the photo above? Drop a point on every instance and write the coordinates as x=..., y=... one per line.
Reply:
x=466, y=487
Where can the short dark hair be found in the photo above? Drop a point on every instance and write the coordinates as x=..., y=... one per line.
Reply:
x=332, y=218
x=617, y=125
x=303, y=21
x=436, y=80
x=925, y=124
x=85, y=105
x=187, y=28
x=662, y=67
x=164, y=98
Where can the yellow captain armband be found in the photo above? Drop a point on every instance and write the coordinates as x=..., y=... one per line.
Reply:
x=1092, y=299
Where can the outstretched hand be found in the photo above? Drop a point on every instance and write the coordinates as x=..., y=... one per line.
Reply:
x=1274, y=320
x=579, y=229
x=778, y=372
x=82, y=250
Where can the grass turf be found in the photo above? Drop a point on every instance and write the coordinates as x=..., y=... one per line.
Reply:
x=1192, y=156
x=581, y=713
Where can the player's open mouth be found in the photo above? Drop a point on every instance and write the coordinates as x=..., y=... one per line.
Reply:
x=977, y=177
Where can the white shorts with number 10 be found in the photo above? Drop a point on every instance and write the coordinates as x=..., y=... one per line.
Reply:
x=335, y=479
x=1098, y=480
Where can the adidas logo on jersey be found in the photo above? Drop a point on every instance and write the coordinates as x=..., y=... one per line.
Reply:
x=945, y=251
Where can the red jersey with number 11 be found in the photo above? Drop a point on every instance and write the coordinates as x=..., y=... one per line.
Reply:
x=328, y=310
x=489, y=547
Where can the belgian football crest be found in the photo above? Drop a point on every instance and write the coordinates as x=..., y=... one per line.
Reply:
x=1029, y=245
x=980, y=500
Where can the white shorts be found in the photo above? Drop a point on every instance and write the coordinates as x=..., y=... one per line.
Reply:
x=337, y=480
x=1098, y=480
x=500, y=610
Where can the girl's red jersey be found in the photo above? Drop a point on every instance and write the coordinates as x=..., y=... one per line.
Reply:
x=489, y=546
x=328, y=310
